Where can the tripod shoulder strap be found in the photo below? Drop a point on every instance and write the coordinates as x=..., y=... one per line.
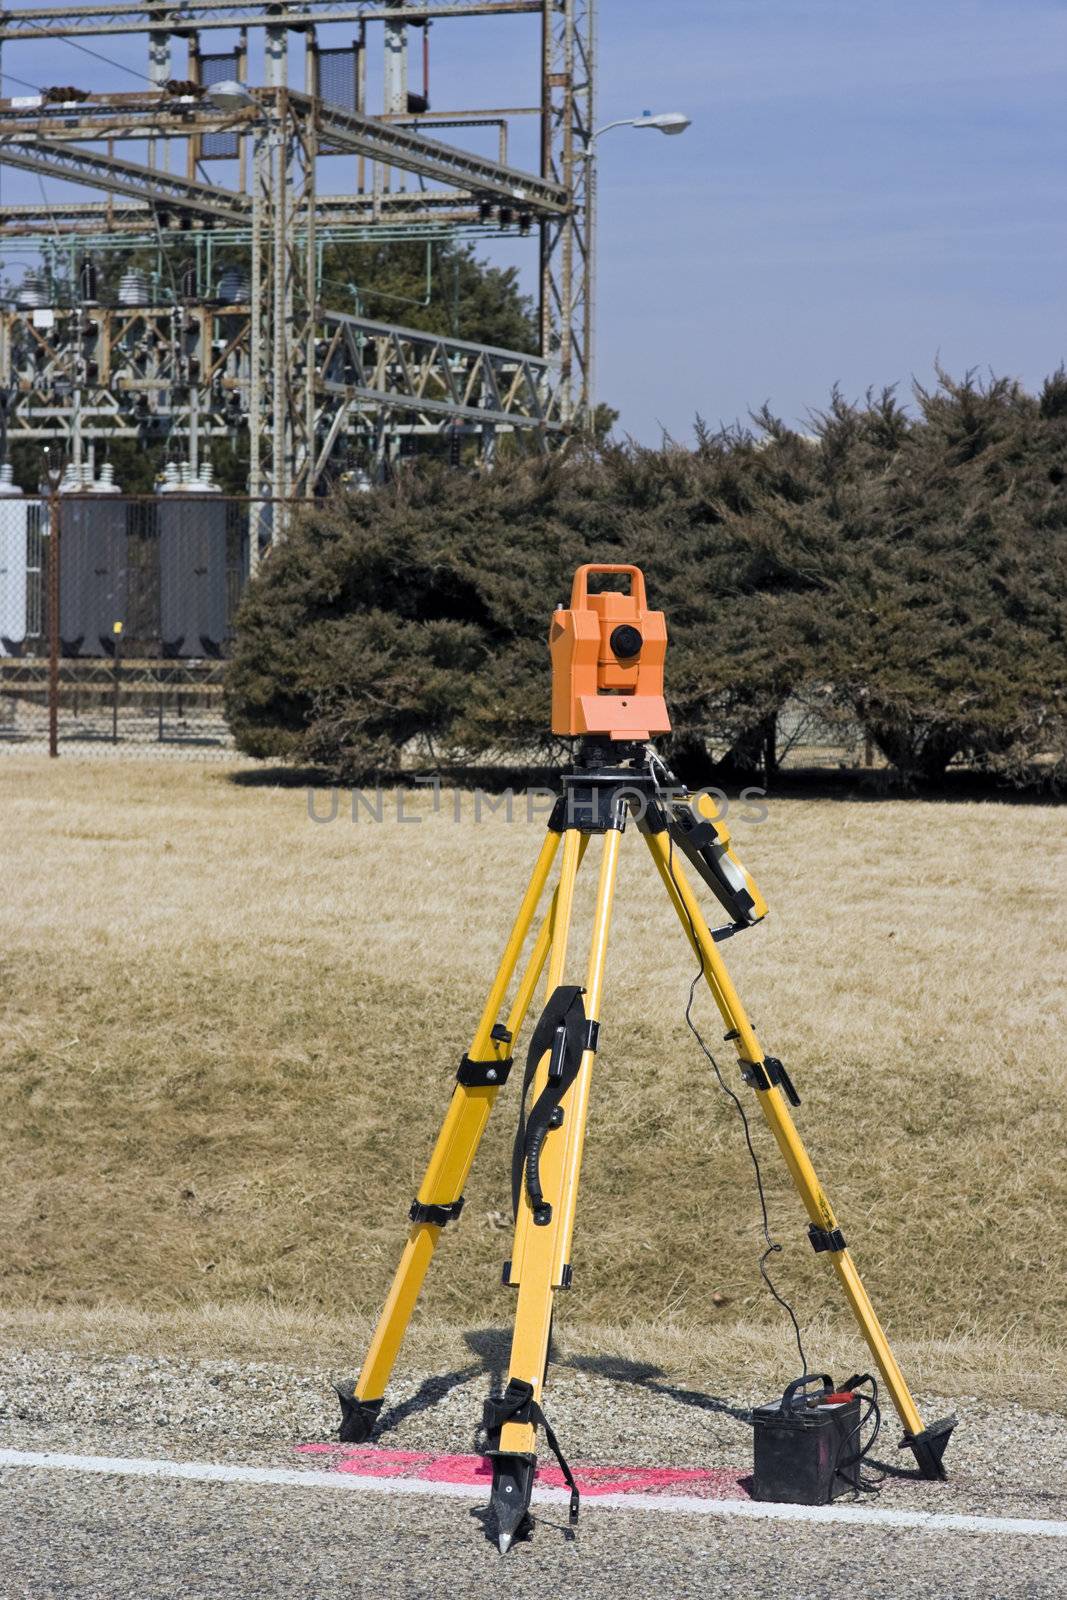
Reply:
x=564, y=1033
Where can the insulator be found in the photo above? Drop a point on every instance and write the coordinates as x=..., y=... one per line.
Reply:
x=87, y=281
x=133, y=288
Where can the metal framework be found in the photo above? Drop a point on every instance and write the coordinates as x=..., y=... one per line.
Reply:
x=312, y=384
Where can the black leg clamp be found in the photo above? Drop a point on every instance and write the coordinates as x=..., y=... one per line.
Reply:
x=437, y=1216
x=357, y=1416
x=768, y=1074
x=929, y=1446
x=491, y=1074
x=825, y=1238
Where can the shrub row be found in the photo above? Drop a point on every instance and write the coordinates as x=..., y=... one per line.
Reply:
x=903, y=568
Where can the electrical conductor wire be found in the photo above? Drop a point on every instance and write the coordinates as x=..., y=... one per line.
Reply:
x=773, y=1247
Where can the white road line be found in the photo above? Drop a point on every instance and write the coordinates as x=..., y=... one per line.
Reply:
x=689, y=1505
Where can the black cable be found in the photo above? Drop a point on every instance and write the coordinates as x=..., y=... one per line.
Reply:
x=862, y=1485
x=773, y=1248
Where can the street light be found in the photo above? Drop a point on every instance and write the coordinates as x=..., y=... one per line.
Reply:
x=672, y=122
x=668, y=122
x=229, y=95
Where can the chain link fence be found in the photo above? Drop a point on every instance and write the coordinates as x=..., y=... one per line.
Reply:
x=117, y=617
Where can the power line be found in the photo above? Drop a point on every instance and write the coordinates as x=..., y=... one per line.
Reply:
x=131, y=72
x=11, y=78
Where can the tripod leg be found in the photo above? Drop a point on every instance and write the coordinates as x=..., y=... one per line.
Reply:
x=482, y=1073
x=540, y=1256
x=929, y=1443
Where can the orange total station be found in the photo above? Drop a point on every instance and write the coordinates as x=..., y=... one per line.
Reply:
x=607, y=652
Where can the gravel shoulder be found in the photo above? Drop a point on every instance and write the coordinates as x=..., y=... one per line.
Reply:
x=1005, y=1459
x=109, y=1538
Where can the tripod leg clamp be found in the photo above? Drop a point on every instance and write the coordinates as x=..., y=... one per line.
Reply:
x=436, y=1216
x=492, y=1074
x=825, y=1238
x=768, y=1074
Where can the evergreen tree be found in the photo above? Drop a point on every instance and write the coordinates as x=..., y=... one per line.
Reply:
x=439, y=286
x=956, y=583
x=911, y=571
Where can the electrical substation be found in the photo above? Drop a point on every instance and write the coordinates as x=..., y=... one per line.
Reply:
x=183, y=298
x=167, y=287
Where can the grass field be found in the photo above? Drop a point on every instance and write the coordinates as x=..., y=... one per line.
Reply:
x=230, y=1034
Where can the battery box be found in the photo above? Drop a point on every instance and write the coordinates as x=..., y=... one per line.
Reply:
x=805, y=1444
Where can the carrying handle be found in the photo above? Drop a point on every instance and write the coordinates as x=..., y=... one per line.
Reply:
x=580, y=586
x=789, y=1396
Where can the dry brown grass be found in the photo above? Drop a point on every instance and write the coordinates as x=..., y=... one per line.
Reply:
x=229, y=1036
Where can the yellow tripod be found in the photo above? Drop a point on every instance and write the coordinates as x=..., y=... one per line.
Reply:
x=611, y=784
x=594, y=802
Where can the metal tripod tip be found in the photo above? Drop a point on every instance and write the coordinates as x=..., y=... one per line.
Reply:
x=509, y=1502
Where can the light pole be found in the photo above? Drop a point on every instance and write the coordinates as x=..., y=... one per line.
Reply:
x=669, y=122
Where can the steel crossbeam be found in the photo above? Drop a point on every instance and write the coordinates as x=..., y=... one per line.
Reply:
x=146, y=16
x=440, y=377
x=51, y=158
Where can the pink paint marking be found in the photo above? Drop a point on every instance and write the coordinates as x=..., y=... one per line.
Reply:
x=372, y=1461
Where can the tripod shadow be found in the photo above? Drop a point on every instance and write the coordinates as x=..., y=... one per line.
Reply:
x=889, y=1469
x=429, y=1394
x=489, y=1346
x=643, y=1375
x=492, y=1346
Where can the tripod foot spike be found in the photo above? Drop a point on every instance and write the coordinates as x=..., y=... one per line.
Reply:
x=929, y=1446
x=357, y=1416
x=509, y=1502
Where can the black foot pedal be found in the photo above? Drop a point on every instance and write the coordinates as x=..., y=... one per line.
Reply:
x=929, y=1446
x=357, y=1416
x=509, y=1503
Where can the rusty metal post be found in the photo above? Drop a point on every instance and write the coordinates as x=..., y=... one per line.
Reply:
x=53, y=621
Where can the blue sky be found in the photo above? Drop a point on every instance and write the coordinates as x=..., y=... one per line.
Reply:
x=868, y=186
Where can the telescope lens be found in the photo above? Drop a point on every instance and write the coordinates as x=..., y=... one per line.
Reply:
x=625, y=640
